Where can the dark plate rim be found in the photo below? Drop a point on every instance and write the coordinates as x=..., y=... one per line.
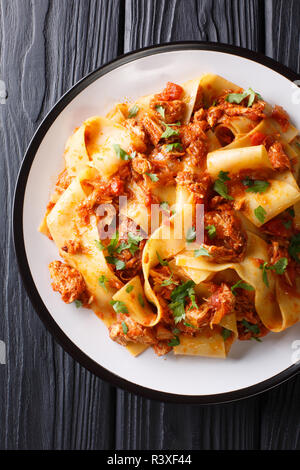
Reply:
x=17, y=216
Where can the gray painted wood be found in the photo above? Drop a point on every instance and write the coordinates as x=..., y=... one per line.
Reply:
x=47, y=400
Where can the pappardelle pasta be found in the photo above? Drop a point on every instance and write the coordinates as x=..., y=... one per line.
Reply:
x=177, y=218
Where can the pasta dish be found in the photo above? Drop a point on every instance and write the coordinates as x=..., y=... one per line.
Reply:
x=177, y=219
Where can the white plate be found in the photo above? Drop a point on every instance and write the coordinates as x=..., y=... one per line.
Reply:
x=251, y=367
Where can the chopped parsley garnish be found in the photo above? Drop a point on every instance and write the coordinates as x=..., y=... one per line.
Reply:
x=239, y=97
x=260, y=214
x=251, y=328
x=119, y=264
x=78, y=303
x=189, y=325
x=124, y=328
x=291, y=211
x=256, y=186
x=168, y=282
x=121, y=152
x=132, y=243
x=220, y=186
x=226, y=333
x=287, y=224
x=118, y=306
x=241, y=285
x=191, y=235
x=176, y=331
x=211, y=231
x=169, y=132
x=178, y=298
x=174, y=342
x=161, y=111
x=141, y=300
x=201, y=252
x=279, y=267
x=164, y=205
x=153, y=177
x=175, y=146
x=99, y=245
x=102, y=280
x=161, y=260
x=129, y=288
x=133, y=111
x=113, y=243
x=294, y=247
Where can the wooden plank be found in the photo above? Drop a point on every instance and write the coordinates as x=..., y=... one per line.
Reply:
x=281, y=407
x=140, y=423
x=47, y=400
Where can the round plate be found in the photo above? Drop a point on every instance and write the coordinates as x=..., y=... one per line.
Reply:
x=251, y=367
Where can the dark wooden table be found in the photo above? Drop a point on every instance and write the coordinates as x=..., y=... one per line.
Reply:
x=47, y=400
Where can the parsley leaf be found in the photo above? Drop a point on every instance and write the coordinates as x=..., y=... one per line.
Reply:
x=161, y=111
x=121, y=152
x=141, y=300
x=220, y=186
x=191, y=235
x=78, y=303
x=256, y=186
x=287, y=224
x=161, y=260
x=241, y=285
x=239, y=97
x=174, y=342
x=124, y=328
x=176, y=145
x=264, y=268
x=118, y=306
x=189, y=325
x=280, y=266
x=153, y=177
x=169, y=132
x=119, y=264
x=133, y=111
x=211, y=230
x=168, y=282
x=294, y=247
x=201, y=252
x=99, y=245
x=226, y=333
x=178, y=298
x=113, y=243
x=250, y=327
x=164, y=205
x=260, y=214
x=102, y=280
x=291, y=211
x=129, y=288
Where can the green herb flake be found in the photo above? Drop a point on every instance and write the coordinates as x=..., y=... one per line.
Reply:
x=260, y=214
x=161, y=260
x=294, y=247
x=141, y=300
x=211, y=231
x=291, y=211
x=124, y=328
x=220, y=185
x=121, y=152
x=174, y=342
x=264, y=268
x=189, y=325
x=99, y=245
x=237, y=98
x=287, y=224
x=251, y=328
x=169, y=132
x=241, y=285
x=164, y=205
x=161, y=111
x=118, y=306
x=201, y=252
x=176, y=331
x=191, y=235
x=280, y=266
x=78, y=303
x=101, y=281
x=257, y=186
x=178, y=299
x=119, y=264
x=129, y=288
x=133, y=111
x=168, y=282
x=153, y=177
x=226, y=333
x=175, y=146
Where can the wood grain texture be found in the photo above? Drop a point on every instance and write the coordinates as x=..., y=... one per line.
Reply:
x=47, y=400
